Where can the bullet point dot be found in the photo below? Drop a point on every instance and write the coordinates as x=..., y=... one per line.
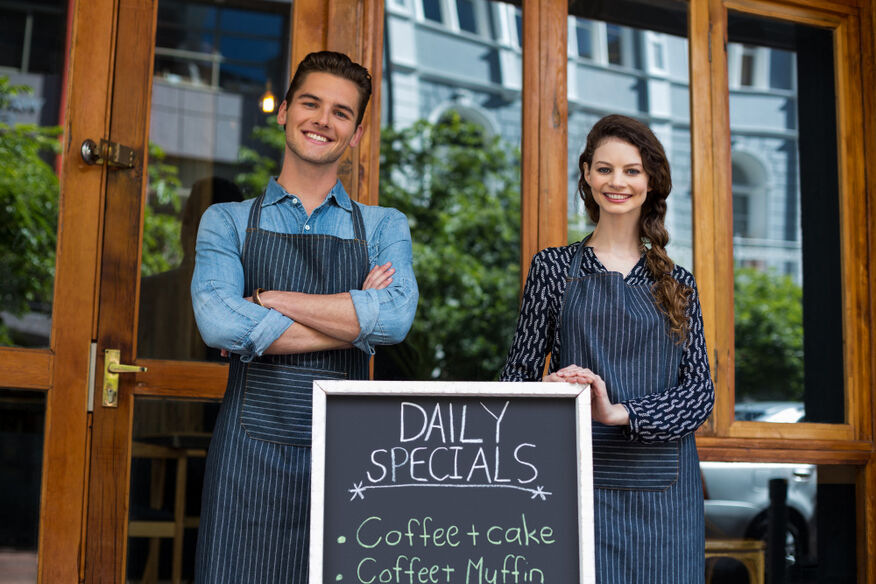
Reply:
x=342, y=539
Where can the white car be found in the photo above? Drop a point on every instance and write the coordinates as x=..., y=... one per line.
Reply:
x=737, y=493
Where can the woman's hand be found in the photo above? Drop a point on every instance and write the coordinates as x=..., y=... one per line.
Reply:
x=601, y=408
x=569, y=374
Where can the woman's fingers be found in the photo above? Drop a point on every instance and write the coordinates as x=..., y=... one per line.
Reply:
x=571, y=374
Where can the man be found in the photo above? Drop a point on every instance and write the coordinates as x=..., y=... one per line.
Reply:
x=296, y=285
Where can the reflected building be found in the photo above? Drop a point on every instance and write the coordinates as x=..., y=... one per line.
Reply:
x=466, y=55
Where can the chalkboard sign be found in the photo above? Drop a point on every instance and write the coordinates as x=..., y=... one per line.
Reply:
x=451, y=483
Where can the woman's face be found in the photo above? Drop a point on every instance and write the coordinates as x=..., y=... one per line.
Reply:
x=617, y=178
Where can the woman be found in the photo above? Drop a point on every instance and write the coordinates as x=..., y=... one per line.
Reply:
x=614, y=312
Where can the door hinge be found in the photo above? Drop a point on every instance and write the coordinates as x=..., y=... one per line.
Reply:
x=110, y=154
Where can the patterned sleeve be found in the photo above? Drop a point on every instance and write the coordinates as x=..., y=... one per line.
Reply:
x=535, y=326
x=679, y=410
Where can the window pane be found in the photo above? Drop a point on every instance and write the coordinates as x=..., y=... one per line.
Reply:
x=168, y=449
x=450, y=161
x=819, y=534
x=786, y=223
x=465, y=11
x=661, y=101
x=432, y=10
x=32, y=48
x=22, y=421
x=613, y=44
x=584, y=36
x=212, y=66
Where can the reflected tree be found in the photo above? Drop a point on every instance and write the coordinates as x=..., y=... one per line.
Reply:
x=460, y=190
x=28, y=213
x=161, y=220
x=769, y=336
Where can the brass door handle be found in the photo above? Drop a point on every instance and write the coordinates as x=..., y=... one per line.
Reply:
x=111, y=370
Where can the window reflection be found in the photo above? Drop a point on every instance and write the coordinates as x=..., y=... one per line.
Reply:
x=209, y=143
x=450, y=162
x=785, y=219
x=743, y=498
x=32, y=42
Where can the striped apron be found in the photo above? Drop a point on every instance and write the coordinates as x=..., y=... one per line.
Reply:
x=648, y=501
x=255, y=515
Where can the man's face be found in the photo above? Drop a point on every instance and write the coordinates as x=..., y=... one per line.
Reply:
x=321, y=119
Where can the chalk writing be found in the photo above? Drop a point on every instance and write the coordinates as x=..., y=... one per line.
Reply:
x=437, y=448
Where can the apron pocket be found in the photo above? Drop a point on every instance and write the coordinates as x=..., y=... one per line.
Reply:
x=277, y=402
x=621, y=464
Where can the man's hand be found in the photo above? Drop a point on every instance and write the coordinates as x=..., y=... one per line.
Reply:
x=379, y=277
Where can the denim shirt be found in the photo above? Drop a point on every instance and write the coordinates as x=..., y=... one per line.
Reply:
x=227, y=321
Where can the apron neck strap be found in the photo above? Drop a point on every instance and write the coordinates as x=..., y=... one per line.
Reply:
x=358, y=223
x=577, y=259
x=255, y=212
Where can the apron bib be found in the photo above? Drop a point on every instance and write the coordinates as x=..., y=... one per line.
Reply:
x=648, y=500
x=255, y=519
x=616, y=330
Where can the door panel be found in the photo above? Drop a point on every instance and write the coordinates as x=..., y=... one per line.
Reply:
x=196, y=103
x=210, y=142
x=65, y=54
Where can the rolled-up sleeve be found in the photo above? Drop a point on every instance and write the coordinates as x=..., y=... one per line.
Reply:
x=225, y=319
x=385, y=316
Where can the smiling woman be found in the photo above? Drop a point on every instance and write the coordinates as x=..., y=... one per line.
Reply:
x=614, y=312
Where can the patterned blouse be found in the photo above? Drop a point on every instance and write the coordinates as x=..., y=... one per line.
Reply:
x=673, y=413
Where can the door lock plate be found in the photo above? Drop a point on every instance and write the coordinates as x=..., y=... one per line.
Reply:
x=111, y=370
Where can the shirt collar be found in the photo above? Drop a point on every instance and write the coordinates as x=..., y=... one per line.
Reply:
x=274, y=194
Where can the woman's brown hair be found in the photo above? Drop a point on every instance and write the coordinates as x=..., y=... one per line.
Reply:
x=671, y=296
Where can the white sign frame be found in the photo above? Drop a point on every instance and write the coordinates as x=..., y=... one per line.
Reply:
x=415, y=389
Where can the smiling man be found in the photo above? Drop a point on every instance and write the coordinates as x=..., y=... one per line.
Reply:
x=297, y=284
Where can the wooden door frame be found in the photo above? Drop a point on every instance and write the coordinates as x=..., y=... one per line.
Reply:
x=64, y=369
x=110, y=456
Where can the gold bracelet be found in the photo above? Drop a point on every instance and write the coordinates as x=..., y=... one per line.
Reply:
x=255, y=296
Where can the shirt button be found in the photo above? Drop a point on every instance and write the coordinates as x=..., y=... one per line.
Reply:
x=294, y=201
x=307, y=228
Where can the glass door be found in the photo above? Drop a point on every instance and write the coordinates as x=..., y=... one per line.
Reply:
x=197, y=116
x=220, y=70
x=54, y=60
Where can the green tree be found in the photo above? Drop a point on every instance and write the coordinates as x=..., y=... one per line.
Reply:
x=161, y=221
x=28, y=212
x=461, y=193
x=261, y=168
x=769, y=336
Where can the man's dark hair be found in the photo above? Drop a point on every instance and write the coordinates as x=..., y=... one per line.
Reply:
x=337, y=64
